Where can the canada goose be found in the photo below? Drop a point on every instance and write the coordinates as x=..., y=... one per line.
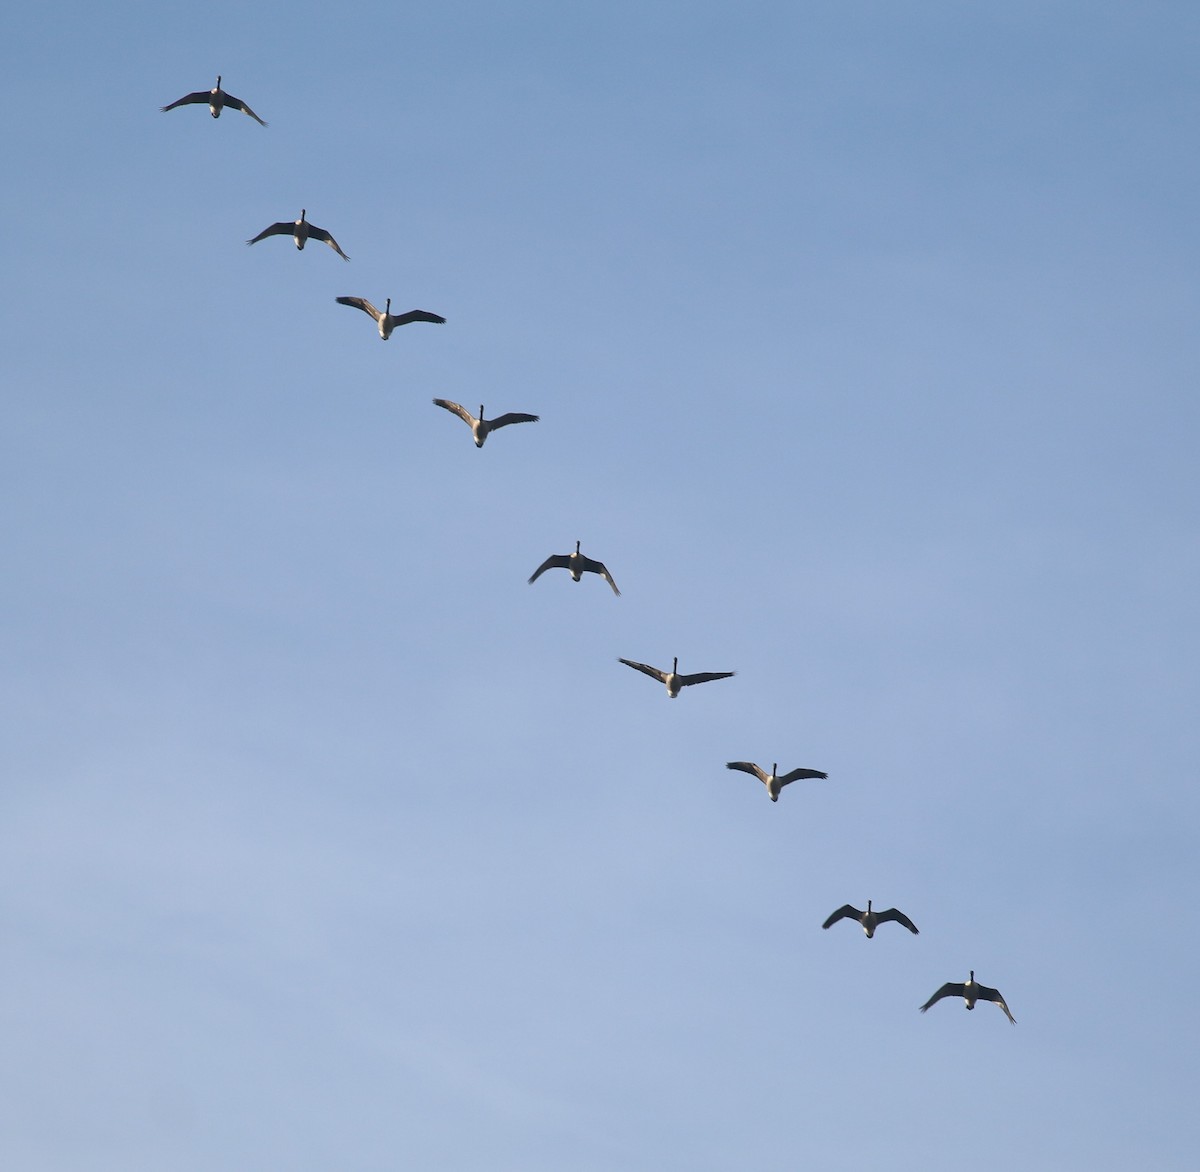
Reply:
x=577, y=563
x=481, y=428
x=970, y=991
x=773, y=781
x=217, y=100
x=301, y=231
x=869, y=919
x=387, y=320
x=672, y=678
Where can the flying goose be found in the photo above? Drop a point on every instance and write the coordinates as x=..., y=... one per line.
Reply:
x=577, y=563
x=869, y=919
x=387, y=320
x=301, y=231
x=217, y=100
x=773, y=781
x=672, y=678
x=970, y=991
x=481, y=428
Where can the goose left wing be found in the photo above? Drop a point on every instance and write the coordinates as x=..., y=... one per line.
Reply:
x=403, y=319
x=238, y=104
x=703, y=677
x=986, y=994
x=323, y=235
x=802, y=774
x=897, y=916
x=513, y=417
x=600, y=568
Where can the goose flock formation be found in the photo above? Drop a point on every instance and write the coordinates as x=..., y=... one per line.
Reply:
x=577, y=564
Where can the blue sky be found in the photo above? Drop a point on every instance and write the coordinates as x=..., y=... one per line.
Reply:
x=863, y=340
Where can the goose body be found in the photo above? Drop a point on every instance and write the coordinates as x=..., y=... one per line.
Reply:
x=970, y=991
x=301, y=231
x=217, y=100
x=774, y=781
x=481, y=428
x=578, y=564
x=385, y=319
x=672, y=678
x=870, y=919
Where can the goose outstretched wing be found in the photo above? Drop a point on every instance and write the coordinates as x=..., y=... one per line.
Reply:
x=283, y=228
x=949, y=989
x=703, y=677
x=403, y=319
x=595, y=567
x=238, y=104
x=748, y=767
x=553, y=562
x=188, y=99
x=458, y=410
x=801, y=774
x=645, y=669
x=894, y=914
x=321, y=234
x=360, y=303
x=844, y=912
x=986, y=994
x=512, y=417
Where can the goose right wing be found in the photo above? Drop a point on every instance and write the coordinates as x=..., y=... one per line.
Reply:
x=553, y=562
x=360, y=303
x=645, y=669
x=748, y=767
x=842, y=913
x=949, y=989
x=459, y=410
x=284, y=226
x=187, y=99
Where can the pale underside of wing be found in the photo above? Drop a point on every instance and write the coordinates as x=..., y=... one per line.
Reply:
x=949, y=989
x=360, y=303
x=553, y=562
x=986, y=994
x=748, y=767
x=895, y=915
x=645, y=669
x=458, y=410
x=238, y=104
x=323, y=235
x=703, y=677
x=844, y=912
x=600, y=568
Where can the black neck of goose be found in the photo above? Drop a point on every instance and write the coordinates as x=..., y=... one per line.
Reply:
x=388, y=308
x=480, y=412
x=868, y=907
